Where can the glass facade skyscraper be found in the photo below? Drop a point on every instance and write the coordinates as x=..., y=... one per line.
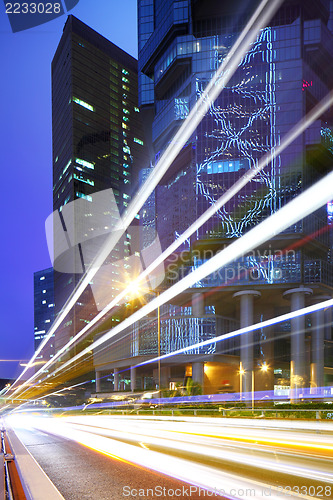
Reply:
x=98, y=144
x=285, y=73
x=43, y=307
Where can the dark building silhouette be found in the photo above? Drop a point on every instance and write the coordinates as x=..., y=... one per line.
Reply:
x=98, y=144
x=43, y=308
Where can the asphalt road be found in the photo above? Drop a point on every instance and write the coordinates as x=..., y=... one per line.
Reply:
x=138, y=457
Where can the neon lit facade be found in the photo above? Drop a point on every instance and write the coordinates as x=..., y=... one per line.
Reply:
x=181, y=44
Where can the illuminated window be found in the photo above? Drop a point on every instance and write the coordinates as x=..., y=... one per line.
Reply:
x=43, y=301
x=44, y=291
x=42, y=278
x=136, y=109
x=138, y=141
x=125, y=72
x=70, y=161
x=84, y=196
x=83, y=104
x=126, y=111
x=87, y=181
x=124, y=79
x=85, y=163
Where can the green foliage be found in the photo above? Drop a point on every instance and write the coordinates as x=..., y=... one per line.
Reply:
x=193, y=388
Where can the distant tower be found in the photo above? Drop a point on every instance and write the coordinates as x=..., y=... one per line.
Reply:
x=98, y=141
x=43, y=307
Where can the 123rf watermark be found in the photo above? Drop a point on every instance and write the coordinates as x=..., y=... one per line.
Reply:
x=26, y=14
x=318, y=491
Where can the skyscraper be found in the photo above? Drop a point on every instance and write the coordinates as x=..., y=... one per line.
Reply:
x=181, y=45
x=98, y=144
x=43, y=307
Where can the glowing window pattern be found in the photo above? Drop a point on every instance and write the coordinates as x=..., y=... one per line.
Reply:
x=239, y=128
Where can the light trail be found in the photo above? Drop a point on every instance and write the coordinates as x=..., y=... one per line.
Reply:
x=258, y=20
x=301, y=206
x=298, y=129
x=181, y=441
x=201, y=449
x=307, y=202
x=257, y=326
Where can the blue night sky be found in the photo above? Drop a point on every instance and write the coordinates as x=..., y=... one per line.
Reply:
x=26, y=158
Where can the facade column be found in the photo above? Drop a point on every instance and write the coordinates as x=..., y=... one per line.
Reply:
x=246, y=340
x=98, y=381
x=115, y=380
x=198, y=373
x=165, y=376
x=328, y=324
x=133, y=378
x=317, y=347
x=198, y=305
x=298, y=376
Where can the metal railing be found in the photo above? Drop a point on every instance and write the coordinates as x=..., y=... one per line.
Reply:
x=7, y=457
x=2, y=476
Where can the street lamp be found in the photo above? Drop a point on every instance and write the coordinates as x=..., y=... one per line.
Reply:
x=264, y=368
x=159, y=344
x=136, y=290
x=241, y=373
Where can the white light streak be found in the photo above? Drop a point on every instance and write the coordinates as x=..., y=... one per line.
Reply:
x=298, y=129
x=301, y=206
x=258, y=20
x=203, y=438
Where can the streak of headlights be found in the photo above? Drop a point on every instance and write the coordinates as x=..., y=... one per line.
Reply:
x=105, y=435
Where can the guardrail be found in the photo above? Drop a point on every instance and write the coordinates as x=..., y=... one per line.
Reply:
x=2, y=476
x=12, y=484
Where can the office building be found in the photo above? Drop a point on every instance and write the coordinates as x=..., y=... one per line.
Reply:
x=282, y=77
x=98, y=144
x=43, y=307
x=284, y=74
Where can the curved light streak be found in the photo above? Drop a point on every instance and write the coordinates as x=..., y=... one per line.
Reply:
x=301, y=206
x=298, y=129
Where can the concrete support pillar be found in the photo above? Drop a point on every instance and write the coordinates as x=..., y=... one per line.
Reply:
x=198, y=305
x=115, y=380
x=328, y=324
x=98, y=381
x=246, y=340
x=317, y=347
x=133, y=378
x=198, y=373
x=298, y=375
x=165, y=376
